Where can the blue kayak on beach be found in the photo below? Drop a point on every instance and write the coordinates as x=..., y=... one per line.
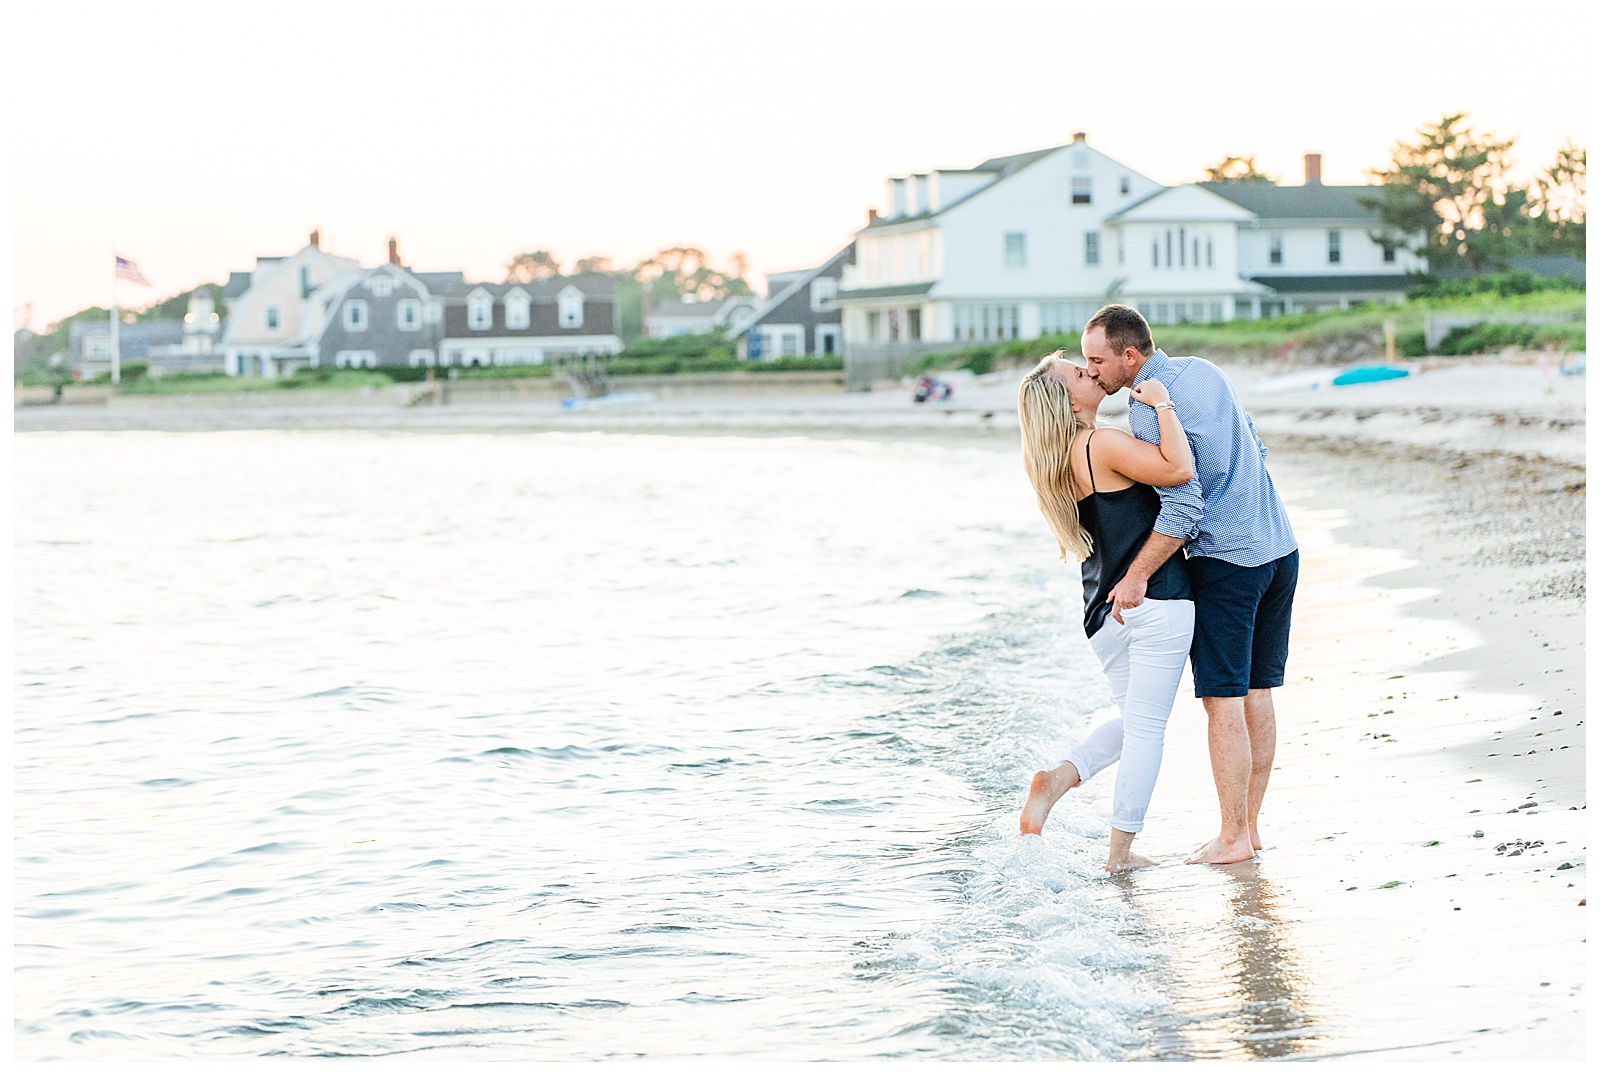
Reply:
x=1374, y=373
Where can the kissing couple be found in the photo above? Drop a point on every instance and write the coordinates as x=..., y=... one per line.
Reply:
x=1187, y=553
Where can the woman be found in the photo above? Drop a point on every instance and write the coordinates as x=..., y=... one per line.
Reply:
x=1094, y=487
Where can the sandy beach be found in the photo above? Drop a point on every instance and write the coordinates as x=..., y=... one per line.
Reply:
x=1426, y=860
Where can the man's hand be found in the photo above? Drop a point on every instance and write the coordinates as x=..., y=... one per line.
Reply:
x=1127, y=593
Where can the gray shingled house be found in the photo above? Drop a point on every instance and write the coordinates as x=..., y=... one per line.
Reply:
x=488, y=324
x=800, y=316
x=382, y=317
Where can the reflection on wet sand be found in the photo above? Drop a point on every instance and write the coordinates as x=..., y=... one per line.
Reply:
x=1238, y=987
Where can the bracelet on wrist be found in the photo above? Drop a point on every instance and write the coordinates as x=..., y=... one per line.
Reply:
x=1165, y=405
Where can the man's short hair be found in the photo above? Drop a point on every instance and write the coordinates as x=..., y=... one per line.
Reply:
x=1123, y=327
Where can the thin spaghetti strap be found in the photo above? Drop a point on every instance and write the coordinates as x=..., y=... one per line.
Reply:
x=1088, y=459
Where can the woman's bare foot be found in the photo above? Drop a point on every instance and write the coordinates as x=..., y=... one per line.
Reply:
x=1225, y=850
x=1046, y=788
x=1122, y=857
x=1255, y=838
x=1127, y=861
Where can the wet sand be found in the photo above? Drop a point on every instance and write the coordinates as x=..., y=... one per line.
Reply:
x=1435, y=691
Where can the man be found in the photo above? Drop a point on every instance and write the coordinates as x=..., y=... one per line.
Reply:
x=1243, y=562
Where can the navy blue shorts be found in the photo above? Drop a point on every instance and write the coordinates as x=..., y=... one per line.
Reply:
x=1241, y=624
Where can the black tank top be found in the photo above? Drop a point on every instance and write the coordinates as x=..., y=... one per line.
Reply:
x=1119, y=522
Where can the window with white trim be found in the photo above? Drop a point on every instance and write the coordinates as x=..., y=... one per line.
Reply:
x=381, y=284
x=408, y=315
x=569, y=309
x=827, y=340
x=1016, y=250
x=1082, y=190
x=432, y=312
x=355, y=358
x=272, y=316
x=823, y=292
x=422, y=358
x=1124, y=186
x=1335, y=247
x=1275, y=248
x=1091, y=248
x=480, y=313
x=986, y=322
x=519, y=311
x=1388, y=251
x=355, y=315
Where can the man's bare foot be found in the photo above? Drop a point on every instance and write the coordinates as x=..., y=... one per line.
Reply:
x=1046, y=788
x=1221, y=850
x=1255, y=838
x=1127, y=861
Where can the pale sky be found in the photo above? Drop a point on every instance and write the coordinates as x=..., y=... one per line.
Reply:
x=194, y=137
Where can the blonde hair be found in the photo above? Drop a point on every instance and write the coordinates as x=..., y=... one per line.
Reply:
x=1049, y=427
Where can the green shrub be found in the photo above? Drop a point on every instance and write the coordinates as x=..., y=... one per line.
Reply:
x=1515, y=283
x=1491, y=337
x=132, y=371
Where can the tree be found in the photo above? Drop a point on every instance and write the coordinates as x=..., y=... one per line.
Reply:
x=683, y=271
x=1439, y=196
x=1557, y=203
x=592, y=264
x=532, y=265
x=1241, y=169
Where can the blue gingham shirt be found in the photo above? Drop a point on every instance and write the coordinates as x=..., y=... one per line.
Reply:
x=1230, y=510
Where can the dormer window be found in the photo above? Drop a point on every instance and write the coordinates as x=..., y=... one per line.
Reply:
x=408, y=315
x=569, y=308
x=272, y=316
x=381, y=285
x=519, y=310
x=432, y=311
x=305, y=282
x=480, y=311
x=824, y=290
x=1124, y=186
x=355, y=315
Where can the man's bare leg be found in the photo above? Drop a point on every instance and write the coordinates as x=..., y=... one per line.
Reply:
x=1047, y=787
x=1261, y=722
x=1229, y=740
x=1122, y=856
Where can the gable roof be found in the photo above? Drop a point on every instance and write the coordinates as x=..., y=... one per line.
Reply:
x=1013, y=162
x=1001, y=167
x=600, y=287
x=1190, y=202
x=741, y=325
x=1307, y=201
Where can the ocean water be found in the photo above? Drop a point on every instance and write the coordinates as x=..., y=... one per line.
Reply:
x=556, y=747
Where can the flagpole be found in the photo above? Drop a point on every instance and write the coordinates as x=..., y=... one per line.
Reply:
x=116, y=332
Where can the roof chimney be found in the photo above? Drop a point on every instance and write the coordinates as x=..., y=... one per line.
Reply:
x=394, y=251
x=1313, y=168
x=872, y=215
x=1080, y=136
x=316, y=238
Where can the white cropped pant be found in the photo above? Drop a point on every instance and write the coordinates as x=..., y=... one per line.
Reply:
x=1143, y=658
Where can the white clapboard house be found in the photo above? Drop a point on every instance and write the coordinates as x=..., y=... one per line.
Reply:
x=1034, y=243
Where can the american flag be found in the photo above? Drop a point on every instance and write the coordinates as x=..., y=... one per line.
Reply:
x=127, y=268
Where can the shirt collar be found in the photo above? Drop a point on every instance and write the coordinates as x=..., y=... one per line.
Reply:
x=1146, y=371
